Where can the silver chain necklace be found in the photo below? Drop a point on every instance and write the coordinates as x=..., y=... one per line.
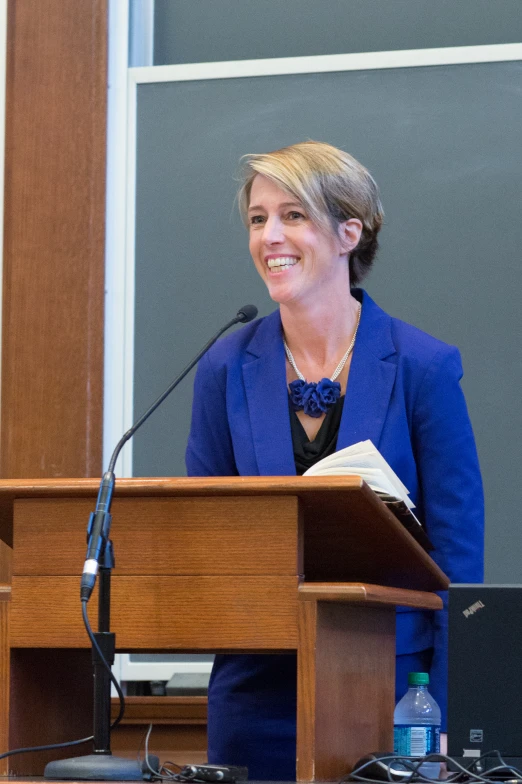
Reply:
x=338, y=370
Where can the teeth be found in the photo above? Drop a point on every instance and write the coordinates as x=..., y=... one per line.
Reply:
x=283, y=262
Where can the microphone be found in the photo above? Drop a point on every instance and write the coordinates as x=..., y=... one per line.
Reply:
x=98, y=528
x=246, y=313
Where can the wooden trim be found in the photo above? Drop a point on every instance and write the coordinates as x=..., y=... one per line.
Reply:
x=306, y=706
x=356, y=593
x=52, y=353
x=162, y=710
x=186, y=486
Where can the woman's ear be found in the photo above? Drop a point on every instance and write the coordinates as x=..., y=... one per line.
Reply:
x=349, y=234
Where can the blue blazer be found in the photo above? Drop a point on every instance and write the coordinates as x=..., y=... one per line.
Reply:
x=403, y=394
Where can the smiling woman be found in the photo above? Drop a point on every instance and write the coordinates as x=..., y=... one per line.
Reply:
x=328, y=369
x=313, y=214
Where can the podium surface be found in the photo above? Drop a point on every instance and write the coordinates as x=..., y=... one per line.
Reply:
x=244, y=564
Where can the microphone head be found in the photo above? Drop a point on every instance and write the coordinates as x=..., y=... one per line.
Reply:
x=246, y=313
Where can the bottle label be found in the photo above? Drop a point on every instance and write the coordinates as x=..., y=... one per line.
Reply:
x=413, y=741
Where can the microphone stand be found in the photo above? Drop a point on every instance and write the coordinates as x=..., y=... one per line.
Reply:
x=101, y=765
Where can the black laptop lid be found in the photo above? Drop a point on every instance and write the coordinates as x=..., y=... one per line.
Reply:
x=485, y=670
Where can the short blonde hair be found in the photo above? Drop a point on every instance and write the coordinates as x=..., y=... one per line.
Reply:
x=332, y=187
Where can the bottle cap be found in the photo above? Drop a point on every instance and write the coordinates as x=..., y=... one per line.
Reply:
x=418, y=679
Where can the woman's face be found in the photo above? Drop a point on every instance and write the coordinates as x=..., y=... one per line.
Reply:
x=297, y=260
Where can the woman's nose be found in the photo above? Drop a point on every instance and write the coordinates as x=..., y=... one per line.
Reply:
x=273, y=231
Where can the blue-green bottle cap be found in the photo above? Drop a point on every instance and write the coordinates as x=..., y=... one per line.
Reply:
x=418, y=679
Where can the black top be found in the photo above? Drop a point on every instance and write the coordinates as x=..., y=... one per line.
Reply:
x=307, y=453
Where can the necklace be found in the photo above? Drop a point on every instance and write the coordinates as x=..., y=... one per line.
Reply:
x=315, y=398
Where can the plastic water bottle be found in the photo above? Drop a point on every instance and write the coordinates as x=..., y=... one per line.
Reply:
x=417, y=724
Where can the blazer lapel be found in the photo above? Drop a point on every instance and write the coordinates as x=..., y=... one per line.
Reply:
x=371, y=379
x=264, y=377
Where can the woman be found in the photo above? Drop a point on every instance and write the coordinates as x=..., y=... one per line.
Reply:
x=328, y=369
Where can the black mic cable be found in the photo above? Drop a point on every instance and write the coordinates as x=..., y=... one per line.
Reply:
x=100, y=520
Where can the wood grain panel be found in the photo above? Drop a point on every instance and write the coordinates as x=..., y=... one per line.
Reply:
x=51, y=702
x=188, y=613
x=190, y=535
x=183, y=744
x=180, y=727
x=5, y=597
x=352, y=651
x=52, y=360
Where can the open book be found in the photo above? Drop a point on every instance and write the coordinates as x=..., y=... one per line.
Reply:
x=364, y=460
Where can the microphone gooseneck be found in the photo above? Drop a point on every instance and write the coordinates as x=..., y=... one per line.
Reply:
x=98, y=528
x=100, y=559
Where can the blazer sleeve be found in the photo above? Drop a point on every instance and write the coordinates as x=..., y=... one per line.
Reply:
x=209, y=449
x=451, y=492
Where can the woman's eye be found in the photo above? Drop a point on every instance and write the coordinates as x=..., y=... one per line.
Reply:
x=294, y=215
x=256, y=220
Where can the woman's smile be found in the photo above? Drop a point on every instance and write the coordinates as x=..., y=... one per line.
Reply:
x=277, y=264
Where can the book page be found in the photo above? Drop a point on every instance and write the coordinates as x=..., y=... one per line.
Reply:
x=369, y=451
x=364, y=460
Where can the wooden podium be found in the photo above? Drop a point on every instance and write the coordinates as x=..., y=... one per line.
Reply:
x=244, y=564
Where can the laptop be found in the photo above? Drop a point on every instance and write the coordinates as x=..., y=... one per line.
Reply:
x=485, y=673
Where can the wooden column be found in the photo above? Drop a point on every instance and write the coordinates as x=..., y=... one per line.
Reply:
x=350, y=655
x=346, y=673
x=52, y=340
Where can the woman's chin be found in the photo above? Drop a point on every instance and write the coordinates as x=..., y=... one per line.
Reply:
x=282, y=291
x=282, y=295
